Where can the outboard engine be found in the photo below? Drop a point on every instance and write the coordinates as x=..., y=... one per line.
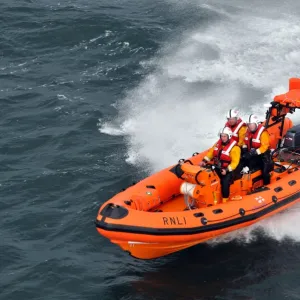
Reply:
x=292, y=139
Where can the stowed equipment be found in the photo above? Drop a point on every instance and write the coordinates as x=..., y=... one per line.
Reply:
x=202, y=187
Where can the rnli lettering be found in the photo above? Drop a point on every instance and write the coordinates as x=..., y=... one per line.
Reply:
x=174, y=220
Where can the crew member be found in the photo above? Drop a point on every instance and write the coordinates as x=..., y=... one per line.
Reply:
x=256, y=148
x=237, y=126
x=226, y=156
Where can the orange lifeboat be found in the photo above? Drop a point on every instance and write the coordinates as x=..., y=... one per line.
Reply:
x=180, y=206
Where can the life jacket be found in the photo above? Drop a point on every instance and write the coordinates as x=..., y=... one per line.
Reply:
x=252, y=140
x=222, y=154
x=236, y=128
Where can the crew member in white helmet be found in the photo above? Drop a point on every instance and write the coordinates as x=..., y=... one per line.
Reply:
x=256, y=148
x=237, y=126
x=226, y=155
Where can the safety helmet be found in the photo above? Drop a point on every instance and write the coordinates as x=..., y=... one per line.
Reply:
x=253, y=119
x=232, y=113
x=226, y=130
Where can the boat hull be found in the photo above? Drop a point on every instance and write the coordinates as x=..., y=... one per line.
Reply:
x=155, y=217
x=150, y=242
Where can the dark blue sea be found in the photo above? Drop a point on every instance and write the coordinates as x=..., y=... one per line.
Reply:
x=95, y=95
